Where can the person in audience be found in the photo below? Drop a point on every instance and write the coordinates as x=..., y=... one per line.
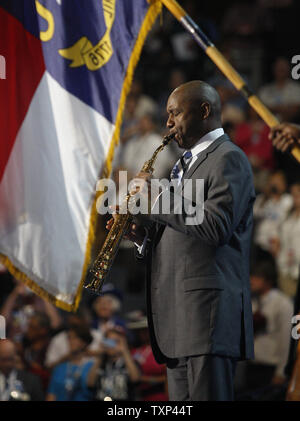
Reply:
x=15, y=384
x=35, y=345
x=272, y=313
x=106, y=308
x=270, y=210
x=130, y=121
x=282, y=95
x=230, y=96
x=244, y=20
x=144, y=103
x=252, y=137
x=114, y=373
x=59, y=348
x=69, y=379
x=233, y=104
x=20, y=306
x=176, y=77
x=152, y=386
x=140, y=148
x=287, y=246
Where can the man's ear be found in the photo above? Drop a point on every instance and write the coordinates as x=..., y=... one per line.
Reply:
x=205, y=110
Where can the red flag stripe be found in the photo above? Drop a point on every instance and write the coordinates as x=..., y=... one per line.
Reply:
x=24, y=69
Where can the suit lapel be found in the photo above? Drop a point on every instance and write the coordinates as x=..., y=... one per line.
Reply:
x=159, y=228
x=204, y=154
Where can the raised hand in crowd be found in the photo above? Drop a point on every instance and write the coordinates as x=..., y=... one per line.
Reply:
x=285, y=135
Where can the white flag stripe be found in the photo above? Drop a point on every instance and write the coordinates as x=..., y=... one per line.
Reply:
x=56, y=155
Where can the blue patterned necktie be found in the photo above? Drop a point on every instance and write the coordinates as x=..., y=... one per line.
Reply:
x=181, y=165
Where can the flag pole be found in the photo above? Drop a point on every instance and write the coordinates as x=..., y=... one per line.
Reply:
x=223, y=64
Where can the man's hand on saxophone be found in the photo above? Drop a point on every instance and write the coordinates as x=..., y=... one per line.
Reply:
x=140, y=184
x=136, y=232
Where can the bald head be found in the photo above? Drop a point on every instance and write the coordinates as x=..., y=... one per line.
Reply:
x=198, y=92
x=194, y=109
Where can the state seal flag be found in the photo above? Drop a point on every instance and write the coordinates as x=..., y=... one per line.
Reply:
x=69, y=65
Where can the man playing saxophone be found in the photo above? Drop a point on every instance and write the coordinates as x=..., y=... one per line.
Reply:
x=198, y=290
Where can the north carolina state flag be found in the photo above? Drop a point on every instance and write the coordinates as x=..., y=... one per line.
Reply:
x=69, y=65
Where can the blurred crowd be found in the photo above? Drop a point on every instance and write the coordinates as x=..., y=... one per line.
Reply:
x=104, y=349
x=94, y=353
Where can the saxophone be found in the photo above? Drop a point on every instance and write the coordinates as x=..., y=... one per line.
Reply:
x=120, y=226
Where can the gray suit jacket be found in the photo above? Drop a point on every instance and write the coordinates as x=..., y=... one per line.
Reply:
x=198, y=290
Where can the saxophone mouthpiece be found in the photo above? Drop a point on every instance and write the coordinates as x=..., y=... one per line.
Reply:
x=168, y=138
